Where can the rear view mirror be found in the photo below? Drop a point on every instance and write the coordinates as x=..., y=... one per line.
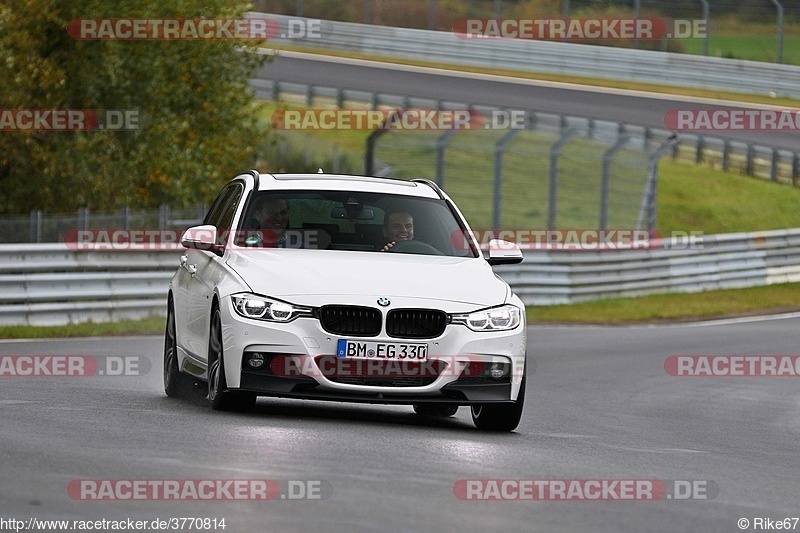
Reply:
x=363, y=214
x=504, y=253
x=201, y=238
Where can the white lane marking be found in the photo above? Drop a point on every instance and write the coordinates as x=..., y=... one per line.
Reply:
x=62, y=339
x=15, y=402
x=520, y=81
x=651, y=450
x=696, y=324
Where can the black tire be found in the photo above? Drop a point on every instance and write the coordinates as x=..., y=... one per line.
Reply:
x=436, y=409
x=220, y=398
x=500, y=416
x=176, y=383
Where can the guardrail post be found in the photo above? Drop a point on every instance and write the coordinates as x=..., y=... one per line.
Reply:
x=373, y=103
x=590, y=129
x=340, y=98
x=701, y=144
x=530, y=120
x=499, y=149
x=36, y=226
x=441, y=146
x=431, y=14
x=552, y=211
x=163, y=217
x=607, y=178
x=749, y=161
x=780, y=29
x=773, y=171
x=796, y=168
x=675, y=149
x=406, y=102
x=335, y=158
x=649, y=203
x=726, y=155
x=309, y=146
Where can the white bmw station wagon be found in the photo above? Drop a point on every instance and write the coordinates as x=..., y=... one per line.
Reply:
x=345, y=288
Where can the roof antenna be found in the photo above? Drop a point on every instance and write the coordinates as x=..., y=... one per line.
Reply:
x=319, y=171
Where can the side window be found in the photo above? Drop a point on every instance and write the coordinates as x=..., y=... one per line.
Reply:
x=219, y=205
x=226, y=216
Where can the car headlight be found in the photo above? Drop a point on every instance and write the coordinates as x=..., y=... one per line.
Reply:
x=495, y=319
x=261, y=308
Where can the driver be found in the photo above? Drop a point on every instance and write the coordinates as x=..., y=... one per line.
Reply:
x=397, y=226
x=272, y=217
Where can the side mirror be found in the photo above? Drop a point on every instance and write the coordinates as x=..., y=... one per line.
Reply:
x=504, y=253
x=201, y=238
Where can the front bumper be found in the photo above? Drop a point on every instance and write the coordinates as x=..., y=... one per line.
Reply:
x=301, y=363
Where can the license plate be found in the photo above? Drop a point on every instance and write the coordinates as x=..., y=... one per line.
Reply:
x=381, y=350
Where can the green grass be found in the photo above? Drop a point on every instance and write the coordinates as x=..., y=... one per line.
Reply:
x=756, y=47
x=153, y=325
x=674, y=307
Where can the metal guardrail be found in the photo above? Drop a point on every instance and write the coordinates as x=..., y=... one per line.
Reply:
x=766, y=162
x=49, y=284
x=570, y=59
x=43, y=284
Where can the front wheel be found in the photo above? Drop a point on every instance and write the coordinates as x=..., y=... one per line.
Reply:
x=500, y=416
x=220, y=398
x=176, y=383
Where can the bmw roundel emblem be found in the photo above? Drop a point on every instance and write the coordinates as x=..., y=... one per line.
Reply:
x=383, y=301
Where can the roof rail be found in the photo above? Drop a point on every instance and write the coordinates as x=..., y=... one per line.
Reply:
x=430, y=184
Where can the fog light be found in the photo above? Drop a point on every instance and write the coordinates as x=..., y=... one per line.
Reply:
x=255, y=360
x=497, y=371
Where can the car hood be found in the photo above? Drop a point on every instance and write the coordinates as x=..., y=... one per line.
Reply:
x=301, y=276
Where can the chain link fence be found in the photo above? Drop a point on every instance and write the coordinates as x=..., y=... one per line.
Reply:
x=557, y=173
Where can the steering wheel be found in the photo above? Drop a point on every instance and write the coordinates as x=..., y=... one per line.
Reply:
x=414, y=247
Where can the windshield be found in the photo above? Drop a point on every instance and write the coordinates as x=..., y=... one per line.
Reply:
x=354, y=221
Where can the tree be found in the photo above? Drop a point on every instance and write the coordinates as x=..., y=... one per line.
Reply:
x=197, y=118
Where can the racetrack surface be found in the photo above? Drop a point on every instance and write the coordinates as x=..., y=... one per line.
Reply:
x=599, y=405
x=512, y=93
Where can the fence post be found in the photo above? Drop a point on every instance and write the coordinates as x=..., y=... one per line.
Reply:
x=649, y=204
x=335, y=158
x=749, y=162
x=607, y=178
x=773, y=171
x=369, y=155
x=637, y=10
x=779, y=6
x=441, y=146
x=701, y=144
x=498, y=7
x=707, y=19
x=367, y=11
x=726, y=155
x=36, y=226
x=126, y=218
x=564, y=9
x=276, y=91
x=309, y=95
x=552, y=212
x=499, y=149
x=431, y=14
x=83, y=218
x=163, y=217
